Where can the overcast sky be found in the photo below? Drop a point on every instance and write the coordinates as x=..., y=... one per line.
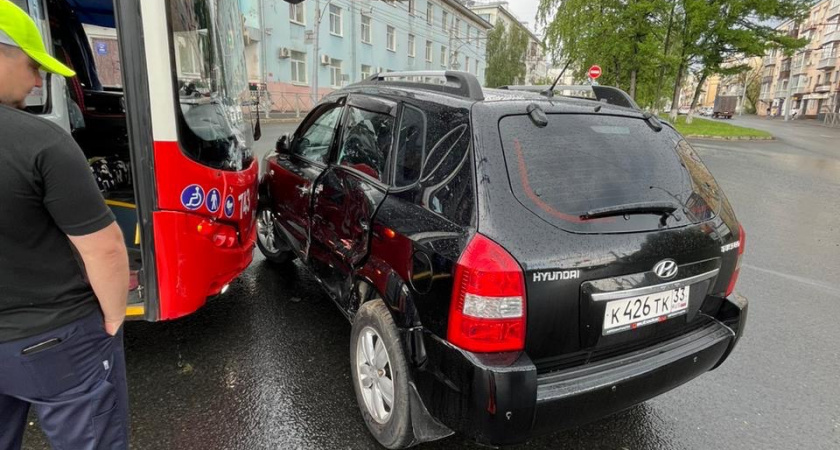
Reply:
x=525, y=10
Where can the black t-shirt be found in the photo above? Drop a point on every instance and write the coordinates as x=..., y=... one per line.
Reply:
x=47, y=192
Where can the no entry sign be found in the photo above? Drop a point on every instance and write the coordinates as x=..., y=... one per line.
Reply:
x=595, y=71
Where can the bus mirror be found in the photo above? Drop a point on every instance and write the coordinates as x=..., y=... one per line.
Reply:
x=283, y=146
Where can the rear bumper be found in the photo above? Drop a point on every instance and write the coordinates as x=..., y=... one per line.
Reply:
x=500, y=399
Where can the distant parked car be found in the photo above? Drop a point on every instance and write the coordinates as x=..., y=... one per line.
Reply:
x=706, y=111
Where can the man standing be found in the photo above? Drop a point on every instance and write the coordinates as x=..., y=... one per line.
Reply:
x=63, y=269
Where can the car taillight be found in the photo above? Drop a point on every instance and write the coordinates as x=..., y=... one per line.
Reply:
x=487, y=310
x=221, y=235
x=741, y=241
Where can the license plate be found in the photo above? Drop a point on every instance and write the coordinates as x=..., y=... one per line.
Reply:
x=634, y=312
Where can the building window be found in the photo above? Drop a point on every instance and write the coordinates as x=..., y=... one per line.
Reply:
x=457, y=27
x=366, y=71
x=335, y=21
x=485, y=17
x=296, y=14
x=455, y=56
x=391, y=37
x=411, y=7
x=467, y=64
x=443, y=56
x=335, y=72
x=469, y=34
x=298, y=67
x=430, y=13
x=429, y=51
x=365, y=29
x=444, y=22
x=411, y=45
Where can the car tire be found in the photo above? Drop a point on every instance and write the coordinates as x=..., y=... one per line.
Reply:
x=374, y=328
x=270, y=243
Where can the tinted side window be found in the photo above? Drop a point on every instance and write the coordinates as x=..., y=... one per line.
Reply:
x=314, y=143
x=367, y=142
x=411, y=150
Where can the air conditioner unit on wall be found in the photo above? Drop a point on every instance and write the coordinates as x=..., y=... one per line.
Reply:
x=284, y=52
x=326, y=60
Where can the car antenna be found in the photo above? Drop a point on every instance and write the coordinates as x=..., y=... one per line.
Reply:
x=550, y=91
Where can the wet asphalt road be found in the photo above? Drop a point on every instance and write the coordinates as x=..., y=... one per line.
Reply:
x=266, y=365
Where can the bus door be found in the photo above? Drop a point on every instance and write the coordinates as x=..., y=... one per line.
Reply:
x=160, y=106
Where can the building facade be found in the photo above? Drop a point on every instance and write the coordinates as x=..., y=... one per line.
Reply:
x=356, y=39
x=536, y=67
x=807, y=82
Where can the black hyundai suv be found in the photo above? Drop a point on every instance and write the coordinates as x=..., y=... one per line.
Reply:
x=512, y=263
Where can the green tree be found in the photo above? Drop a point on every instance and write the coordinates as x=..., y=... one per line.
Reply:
x=506, y=51
x=624, y=37
x=718, y=31
x=645, y=45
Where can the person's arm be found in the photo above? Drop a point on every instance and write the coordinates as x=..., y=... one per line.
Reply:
x=73, y=200
x=106, y=261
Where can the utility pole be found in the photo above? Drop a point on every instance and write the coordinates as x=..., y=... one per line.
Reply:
x=743, y=96
x=316, y=57
x=263, y=57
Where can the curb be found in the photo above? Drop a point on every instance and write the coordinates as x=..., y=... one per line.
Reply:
x=731, y=138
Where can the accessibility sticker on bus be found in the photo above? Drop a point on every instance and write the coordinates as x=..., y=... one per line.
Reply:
x=214, y=200
x=229, y=206
x=192, y=197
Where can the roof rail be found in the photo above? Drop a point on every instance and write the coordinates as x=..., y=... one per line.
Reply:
x=597, y=92
x=462, y=84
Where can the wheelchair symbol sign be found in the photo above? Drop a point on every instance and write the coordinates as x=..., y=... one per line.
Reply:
x=214, y=200
x=192, y=197
x=229, y=206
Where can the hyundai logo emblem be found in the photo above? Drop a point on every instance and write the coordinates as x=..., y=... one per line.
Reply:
x=665, y=269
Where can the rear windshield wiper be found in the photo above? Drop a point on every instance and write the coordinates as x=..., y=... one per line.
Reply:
x=665, y=208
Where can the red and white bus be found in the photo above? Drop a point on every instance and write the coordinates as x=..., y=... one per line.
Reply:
x=170, y=140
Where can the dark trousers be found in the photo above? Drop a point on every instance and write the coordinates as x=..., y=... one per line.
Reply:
x=77, y=387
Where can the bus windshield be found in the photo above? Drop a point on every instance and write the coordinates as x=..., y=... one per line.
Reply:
x=214, y=124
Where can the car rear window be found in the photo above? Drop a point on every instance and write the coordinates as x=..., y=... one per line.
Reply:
x=579, y=163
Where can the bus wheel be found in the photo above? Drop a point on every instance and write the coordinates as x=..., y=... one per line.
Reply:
x=272, y=246
x=380, y=375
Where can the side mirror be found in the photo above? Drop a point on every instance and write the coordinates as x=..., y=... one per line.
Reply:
x=284, y=145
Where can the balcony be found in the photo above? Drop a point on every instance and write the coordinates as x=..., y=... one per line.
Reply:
x=827, y=63
x=803, y=89
x=781, y=93
x=831, y=37
x=769, y=61
x=800, y=69
x=766, y=95
x=833, y=11
x=826, y=87
x=767, y=80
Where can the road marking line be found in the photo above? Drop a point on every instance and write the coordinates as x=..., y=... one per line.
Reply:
x=815, y=283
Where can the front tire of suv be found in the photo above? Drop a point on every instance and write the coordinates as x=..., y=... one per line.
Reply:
x=380, y=375
x=271, y=244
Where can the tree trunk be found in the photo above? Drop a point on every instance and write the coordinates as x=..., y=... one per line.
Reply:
x=633, y=84
x=697, y=92
x=675, y=100
x=661, y=80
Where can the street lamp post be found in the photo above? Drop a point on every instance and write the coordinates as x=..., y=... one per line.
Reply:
x=315, y=52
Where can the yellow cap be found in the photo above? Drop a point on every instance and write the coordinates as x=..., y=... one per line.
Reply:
x=19, y=30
